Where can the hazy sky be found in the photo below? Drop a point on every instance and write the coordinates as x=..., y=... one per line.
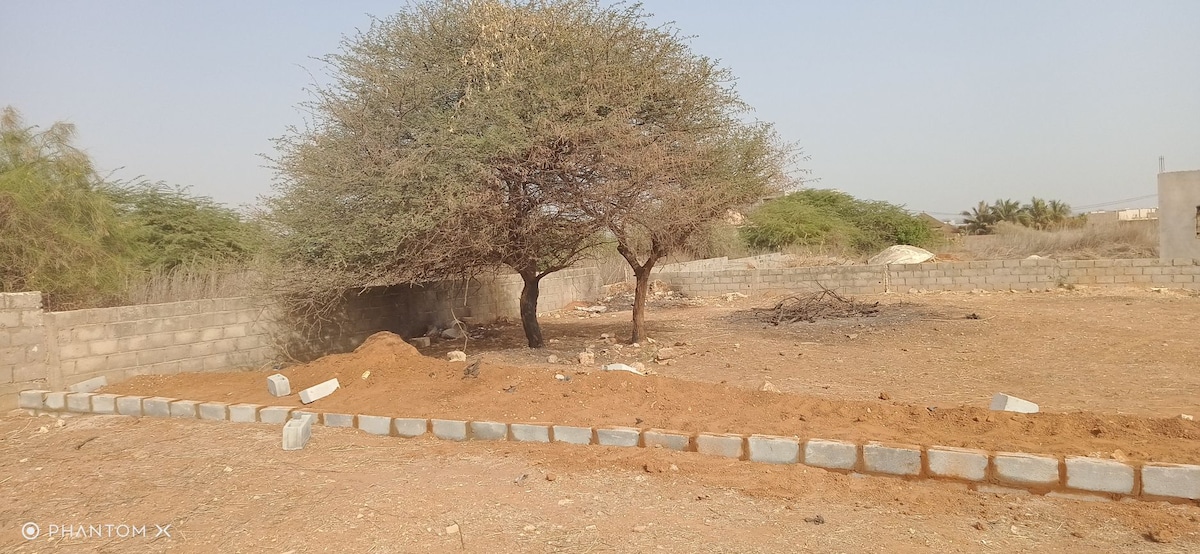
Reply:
x=934, y=105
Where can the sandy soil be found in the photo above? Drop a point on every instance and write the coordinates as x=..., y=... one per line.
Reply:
x=226, y=487
x=1128, y=356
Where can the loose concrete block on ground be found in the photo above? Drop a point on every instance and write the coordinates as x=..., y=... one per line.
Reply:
x=1092, y=474
x=130, y=405
x=318, y=391
x=449, y=429
x=307, y=416
x=278, y=385
x=618, y=436
x=830, y=454
x=157, y=406
x=274, y=414
x=338, y=420
x=892, y=460
x=214, y=411
x=185, y=409
x=296, y=433
x=244, y=413
x=1004, y=403
x=1026, y=469
x=31, y=399
x=1174, y=480
x=489, y=430
x=80, y=402
x=410, y=427
x=957, y=463
x=104, y=403
x=375, y=425
x=525, y=432
x=773, y=450
x=666, y=439
x=91, y=385
x=55, y=401
x=572, y=435
x=726, y=446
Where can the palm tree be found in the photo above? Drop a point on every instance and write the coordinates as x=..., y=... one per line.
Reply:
x=1060, y=212
x=980, y=219
x=1007, y=210
x=1038, y=213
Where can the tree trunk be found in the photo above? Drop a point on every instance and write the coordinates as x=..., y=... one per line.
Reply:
x=529, y=301
x=642, y=276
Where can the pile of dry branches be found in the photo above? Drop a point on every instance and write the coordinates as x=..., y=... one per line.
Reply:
x=823, y=304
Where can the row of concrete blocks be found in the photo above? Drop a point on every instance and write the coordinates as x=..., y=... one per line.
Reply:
x=1037, y=473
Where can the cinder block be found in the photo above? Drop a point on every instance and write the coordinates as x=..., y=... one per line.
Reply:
x=727, y=446
x=91, y=385
x=338, y=420
x=524, y=432
x=214, y=411
x=272, y=414
x=572, y=435
x=410, y=427
x=55, y=401
x=31, y=399
x=449, y=429
x=1174, y=480
x=80, y=402
x=1006, y=403
x=130, y=405
x=1026, y=469
x=296, y=433
x=278, y=385
x=185, y=409
x=898, y=460
x=318, y=391
x=773, y=450
x=244, y=413
x=1092, y=474
x=489, y=430
x=311, y=417
x=666, y=439
x=618, y=436
x=419, y=342
x=157, y=406
x=830, y=454
x=375, y=425
x=104, y=403
x=957, y=463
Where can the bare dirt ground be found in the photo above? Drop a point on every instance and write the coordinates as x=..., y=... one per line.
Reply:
x=225, y=487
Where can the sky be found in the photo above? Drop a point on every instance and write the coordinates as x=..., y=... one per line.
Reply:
x=935, y=105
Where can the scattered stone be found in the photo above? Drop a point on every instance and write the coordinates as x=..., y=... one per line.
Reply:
x=1186, y=417
x=456, y=356
x=552, y=359
x=730, y=297
x=666, y=354
x=621, y=367
x=768, y=387
x=639, y=366
x=980, y=526
x=452, y=529
x=561, y=377
x=319, y=391
x=419, y=342
x=551, y=477
x=278, y=385
x=1004, y=403
x=605, y=336
x=852, y=336
x=885, y=396
x=366, y=374
x=587, y=358
x=592, y=309
x=815, y=520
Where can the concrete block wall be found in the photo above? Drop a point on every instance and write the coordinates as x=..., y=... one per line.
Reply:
x=994, y=275
x=22, y=352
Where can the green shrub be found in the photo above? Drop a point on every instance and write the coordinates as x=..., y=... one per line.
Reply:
x=816, y=217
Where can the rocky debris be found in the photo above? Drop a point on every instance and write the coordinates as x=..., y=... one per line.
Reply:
x=561, y=377
x=666, y=354
x=730, y=297
x=552, y=359
x=639, y=366
x=885, y=396
x=823, y=304
x=621, y=367
x=452, y=333
x=587, y=358
x=592, y=309
x=456, y=356
x=768, y=387
x=815, y=520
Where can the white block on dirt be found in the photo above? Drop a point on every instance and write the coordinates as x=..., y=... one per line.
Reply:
x=214, y=411
x=91, y=385
x=318, y=391
x=666, y=439
x=892, y=460
x=31, y=399
x=338, y=420
x=278, y=385
x=830, y=454
x=130, y=405
x=80, y=402
x=489, y=430
x=1004, y=403
x=621, y=367
x=1092, y=474
x=456, y=356
x=957, y=463
x=157, y=407
x=525, y=432
x=185, y=409
x=572, y=435
x=449, y=429
x=773, y=450
x=727, y=446
x=104, y=403
x=1026, y=469
x=410, y=427
x=296, y=433
x=244, y=413
x=1174, y=480
x=375, y=425
x=619, y=436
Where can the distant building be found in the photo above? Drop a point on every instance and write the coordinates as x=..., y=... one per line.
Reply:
x=1115, y=216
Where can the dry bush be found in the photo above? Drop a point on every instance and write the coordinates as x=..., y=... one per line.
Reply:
x=1122, y=240
x=191, y=283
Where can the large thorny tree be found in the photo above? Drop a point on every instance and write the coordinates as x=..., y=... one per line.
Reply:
x=459, y=136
